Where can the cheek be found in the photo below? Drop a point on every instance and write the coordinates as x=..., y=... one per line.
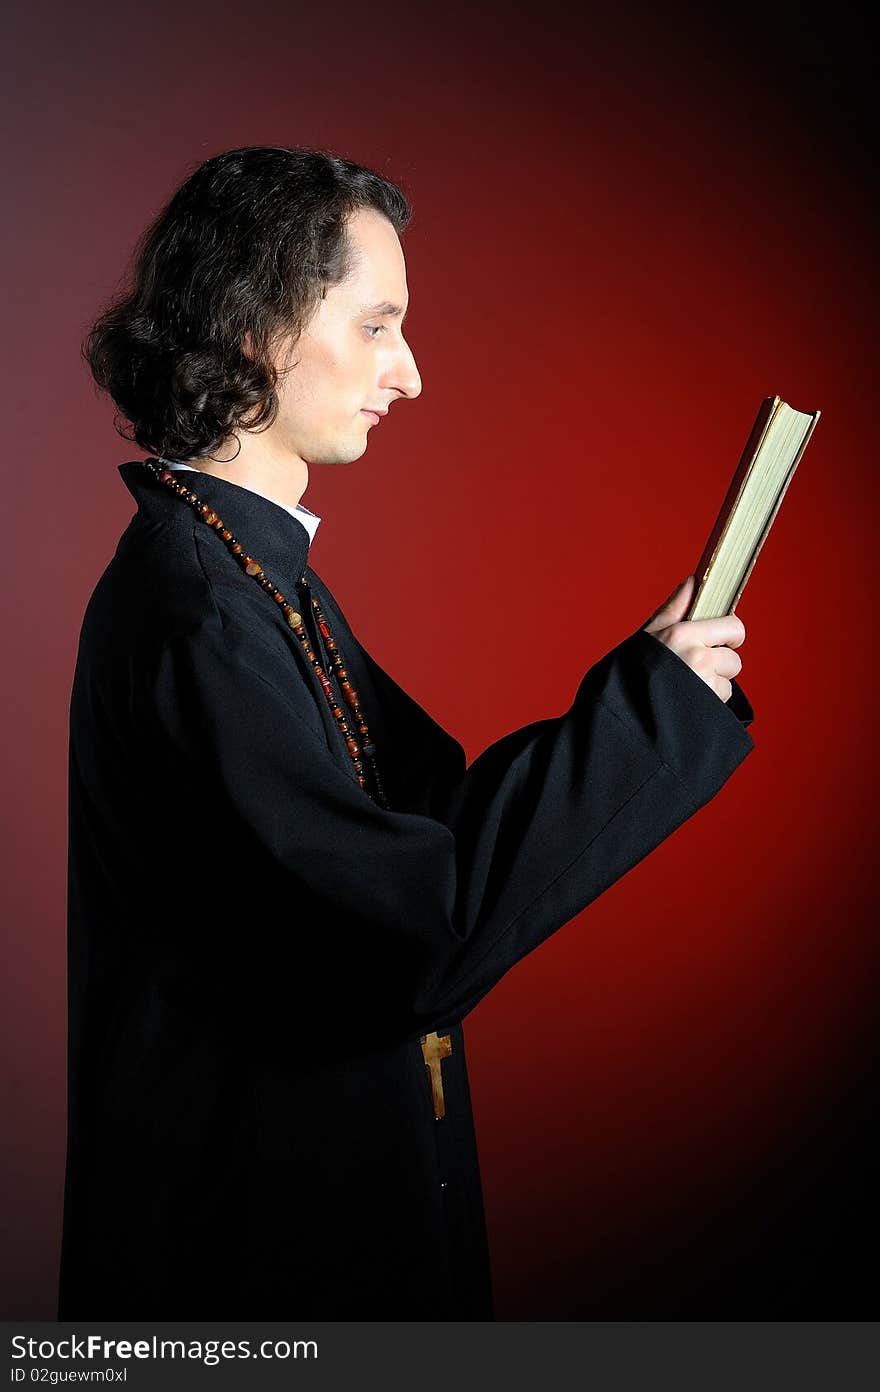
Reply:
x=333, y=376
x=313, y=381
x=328, y=380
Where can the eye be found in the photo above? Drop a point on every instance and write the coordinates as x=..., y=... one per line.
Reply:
x=374, y=329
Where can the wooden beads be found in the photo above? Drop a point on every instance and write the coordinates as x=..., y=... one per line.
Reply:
x=294, y=618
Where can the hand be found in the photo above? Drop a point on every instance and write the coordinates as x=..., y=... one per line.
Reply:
x=706, y=645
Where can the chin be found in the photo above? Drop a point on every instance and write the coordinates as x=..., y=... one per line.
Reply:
x=339, y=455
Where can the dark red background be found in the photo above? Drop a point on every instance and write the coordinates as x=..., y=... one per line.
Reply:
x=627, y=232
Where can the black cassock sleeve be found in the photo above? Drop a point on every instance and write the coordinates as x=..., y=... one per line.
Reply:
x=400, y=923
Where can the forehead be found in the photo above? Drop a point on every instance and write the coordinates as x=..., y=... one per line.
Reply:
x=378, y=268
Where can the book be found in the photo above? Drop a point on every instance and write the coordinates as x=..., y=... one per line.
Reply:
x=772, y=453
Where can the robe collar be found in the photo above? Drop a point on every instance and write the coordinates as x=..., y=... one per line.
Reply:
x=266, y=530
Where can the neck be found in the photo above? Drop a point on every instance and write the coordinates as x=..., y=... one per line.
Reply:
x=258, y=466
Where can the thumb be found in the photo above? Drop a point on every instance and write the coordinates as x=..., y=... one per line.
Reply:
x=675, y=607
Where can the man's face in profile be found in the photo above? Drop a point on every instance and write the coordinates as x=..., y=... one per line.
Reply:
x=352, y=357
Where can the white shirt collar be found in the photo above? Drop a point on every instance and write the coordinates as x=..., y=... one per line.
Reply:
x=302, y=514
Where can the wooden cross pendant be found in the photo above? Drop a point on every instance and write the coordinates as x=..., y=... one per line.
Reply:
x=435, y=1048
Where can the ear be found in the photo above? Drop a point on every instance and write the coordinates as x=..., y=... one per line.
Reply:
x=247, y=344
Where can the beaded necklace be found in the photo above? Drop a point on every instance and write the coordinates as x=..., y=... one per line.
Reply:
x=252, y=567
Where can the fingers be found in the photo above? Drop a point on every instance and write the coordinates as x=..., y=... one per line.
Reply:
x=710, y=663
x=706, y=645
x=712, y=632
x=718, y=680
x=727, y=662
x=674, y=608
x=729, y=630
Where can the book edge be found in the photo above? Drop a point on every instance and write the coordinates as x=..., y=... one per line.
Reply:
x=767, y=411
x=766, y=532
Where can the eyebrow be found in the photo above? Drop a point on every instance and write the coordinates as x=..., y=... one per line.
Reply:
x=386, y=307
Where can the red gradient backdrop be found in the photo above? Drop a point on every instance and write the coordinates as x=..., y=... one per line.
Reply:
x=627, y=232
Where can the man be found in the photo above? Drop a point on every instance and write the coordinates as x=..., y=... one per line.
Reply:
x=286, y=887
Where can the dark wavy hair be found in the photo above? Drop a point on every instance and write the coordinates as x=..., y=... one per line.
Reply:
x=250, y=241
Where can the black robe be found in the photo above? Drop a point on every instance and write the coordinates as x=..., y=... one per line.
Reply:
x=256, y=947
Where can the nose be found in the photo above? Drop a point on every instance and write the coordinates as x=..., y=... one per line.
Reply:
x=402, y=374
